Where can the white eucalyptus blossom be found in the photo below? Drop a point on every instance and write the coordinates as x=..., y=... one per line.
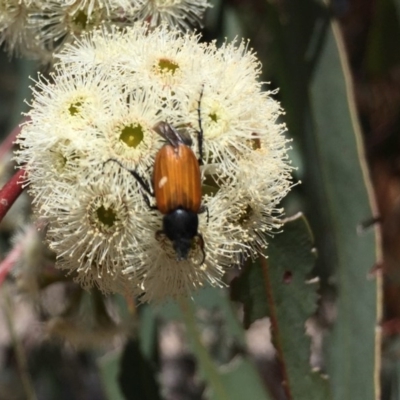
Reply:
x=38, y=28
x=90, y=144
x=99, y=221
x=14, y=16
x=182, y=13
x=59, y=22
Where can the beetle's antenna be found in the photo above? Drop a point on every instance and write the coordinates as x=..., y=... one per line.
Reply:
x=200, y=132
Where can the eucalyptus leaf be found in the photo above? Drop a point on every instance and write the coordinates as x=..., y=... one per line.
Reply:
x=283, y=281
x=353, y=348
x=137, y=376
x=235, y=381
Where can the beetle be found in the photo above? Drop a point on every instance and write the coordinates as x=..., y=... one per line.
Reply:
x=177, y=187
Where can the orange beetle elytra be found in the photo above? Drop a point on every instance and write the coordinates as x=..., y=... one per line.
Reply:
x=176, y=179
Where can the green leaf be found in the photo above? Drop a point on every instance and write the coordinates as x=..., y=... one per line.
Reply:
x=353, y=361
x=234, y=381
x=282, y=281
x=137, y=376
x=226, y=378
x=292, y=300
x=109, y=369
x=249, y=289
x=148, y=334
x=317, y=95
x=129, y=375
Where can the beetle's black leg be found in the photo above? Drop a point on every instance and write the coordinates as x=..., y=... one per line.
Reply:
x=142, y=182
x=200, y=131
x=147, y=201
x=204, y=209
x=199, y=235
x=145, y=186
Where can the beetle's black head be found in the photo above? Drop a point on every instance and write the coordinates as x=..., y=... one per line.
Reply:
x=180, y=226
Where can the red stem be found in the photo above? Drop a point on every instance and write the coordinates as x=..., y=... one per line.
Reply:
x=10, y=192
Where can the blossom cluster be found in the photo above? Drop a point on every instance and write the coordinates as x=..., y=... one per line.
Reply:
x=92, y=122
x=38, y=28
